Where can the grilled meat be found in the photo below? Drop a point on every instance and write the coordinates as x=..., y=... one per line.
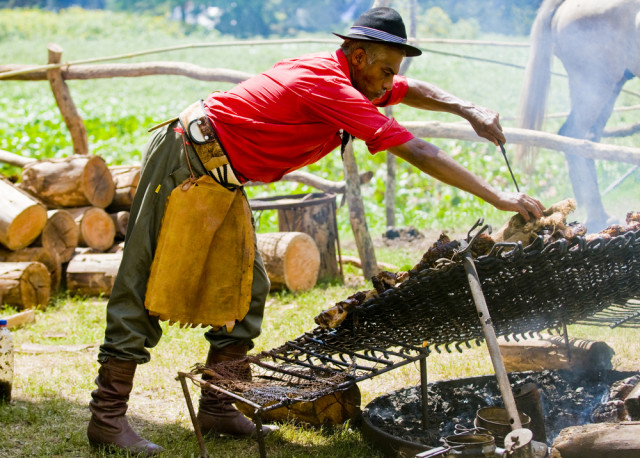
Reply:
x=383, y=281
x=633, y=217
x=332, y=317
x=444, y=247
x=551, y=226
x=482, y=245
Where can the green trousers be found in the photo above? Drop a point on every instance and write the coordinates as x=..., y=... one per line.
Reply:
x=130, y=329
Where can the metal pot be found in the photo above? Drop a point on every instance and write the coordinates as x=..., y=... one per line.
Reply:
x=479, y=445
x=496, y=421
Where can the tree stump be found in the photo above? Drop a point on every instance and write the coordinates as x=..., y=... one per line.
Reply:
x=292, y=260
x=49, y=258
x=60, y=234
x=96, y=227
x=24, y=285
x=21, y=217
x=330, y=410
x=92, y=274
x=74, y=181
x=313, y=214
x=125, y=179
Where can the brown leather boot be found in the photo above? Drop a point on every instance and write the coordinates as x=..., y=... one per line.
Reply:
x=217, y=414
x=108, y=426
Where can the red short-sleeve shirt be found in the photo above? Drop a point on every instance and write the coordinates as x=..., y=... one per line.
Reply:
x=290, y=116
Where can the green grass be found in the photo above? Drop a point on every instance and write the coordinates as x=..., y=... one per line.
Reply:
x=48, y=415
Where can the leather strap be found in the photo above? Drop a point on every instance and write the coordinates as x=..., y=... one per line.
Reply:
x=202, y=136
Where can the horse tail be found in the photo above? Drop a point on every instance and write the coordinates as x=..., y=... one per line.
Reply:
x=535, y=88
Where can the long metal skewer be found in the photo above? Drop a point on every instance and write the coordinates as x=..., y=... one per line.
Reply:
x=504, y=153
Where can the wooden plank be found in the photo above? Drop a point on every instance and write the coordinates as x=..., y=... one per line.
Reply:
x=355, y=261
x=20, y=319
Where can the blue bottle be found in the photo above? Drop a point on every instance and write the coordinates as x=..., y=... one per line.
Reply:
x=6, y=362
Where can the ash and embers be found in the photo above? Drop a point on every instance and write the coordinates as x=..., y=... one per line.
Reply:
x=567, y=398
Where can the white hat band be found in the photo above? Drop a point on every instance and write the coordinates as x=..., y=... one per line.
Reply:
x=375, y=33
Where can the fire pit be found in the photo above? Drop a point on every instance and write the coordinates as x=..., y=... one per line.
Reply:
x=393, y=422
x=544, y=286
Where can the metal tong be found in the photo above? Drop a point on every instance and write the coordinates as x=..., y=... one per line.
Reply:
x=504, y=153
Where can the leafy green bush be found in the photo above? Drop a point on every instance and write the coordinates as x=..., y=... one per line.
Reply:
x=79, y=24
x=436, y=23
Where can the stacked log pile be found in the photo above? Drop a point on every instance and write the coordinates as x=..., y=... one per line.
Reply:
x=62, y=226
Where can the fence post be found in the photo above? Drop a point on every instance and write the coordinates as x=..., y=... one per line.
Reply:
x=65, y=103
x=357, y=214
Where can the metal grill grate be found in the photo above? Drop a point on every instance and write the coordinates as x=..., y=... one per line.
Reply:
x=527, y=290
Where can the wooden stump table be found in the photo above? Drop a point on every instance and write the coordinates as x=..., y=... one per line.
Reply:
x=313, y=214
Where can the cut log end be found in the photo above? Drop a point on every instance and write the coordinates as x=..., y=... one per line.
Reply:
x=125, y=179
x=49, y=258
x=292, y=259
x=60, y=234
x=74, y=181
x=98, y=182
x=25, y=285
x=302, y=263
x=21, y=217
x=26, y=227
x=97, y=230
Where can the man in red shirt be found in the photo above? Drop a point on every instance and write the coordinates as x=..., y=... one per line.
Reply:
x=278, y=121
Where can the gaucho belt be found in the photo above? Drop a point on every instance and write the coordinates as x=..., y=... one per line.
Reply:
x=199, y=130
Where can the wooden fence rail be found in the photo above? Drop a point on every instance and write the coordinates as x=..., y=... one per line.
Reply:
x=94, y=71
x=57, y=72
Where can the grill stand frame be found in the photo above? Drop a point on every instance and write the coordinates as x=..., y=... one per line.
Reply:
x=364, y=340
x=260, y=410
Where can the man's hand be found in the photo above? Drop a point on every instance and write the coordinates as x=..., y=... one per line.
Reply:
x=526, y=205
x=486, y=123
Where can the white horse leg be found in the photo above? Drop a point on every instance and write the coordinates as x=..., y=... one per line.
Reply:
x=595, y=133
x=591, y=106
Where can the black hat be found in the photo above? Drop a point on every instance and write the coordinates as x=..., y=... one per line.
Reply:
x=382, y=25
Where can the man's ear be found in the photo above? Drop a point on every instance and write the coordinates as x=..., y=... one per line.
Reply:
x=358, y=57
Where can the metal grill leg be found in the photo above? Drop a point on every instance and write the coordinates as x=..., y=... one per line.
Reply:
x=423, y=390
x=192, y=414
x=566, y=339
x=260, y=435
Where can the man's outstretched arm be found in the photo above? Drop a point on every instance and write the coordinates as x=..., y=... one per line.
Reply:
x=438, y=164
x=427, y=96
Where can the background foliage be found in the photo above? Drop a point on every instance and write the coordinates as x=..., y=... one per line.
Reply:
x=118, y=112
x=245, y=18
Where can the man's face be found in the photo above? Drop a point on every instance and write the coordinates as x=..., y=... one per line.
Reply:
x=374, y=79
